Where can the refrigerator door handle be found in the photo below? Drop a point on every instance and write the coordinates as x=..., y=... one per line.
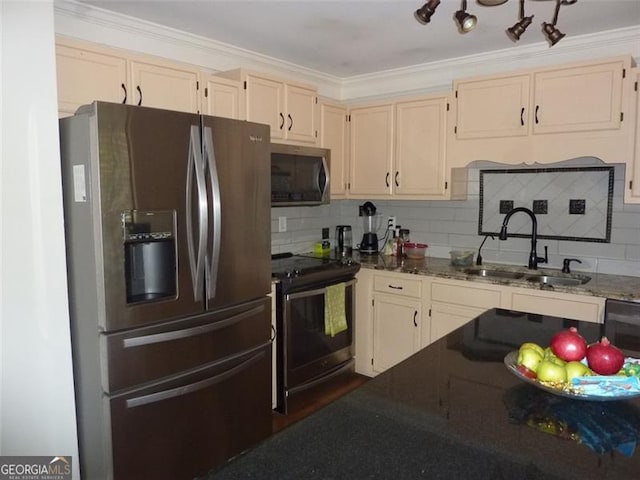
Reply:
x=212, y=267
x=189, y=332
x=195, y=166
x=196, y=386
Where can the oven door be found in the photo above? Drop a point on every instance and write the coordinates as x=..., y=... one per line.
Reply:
x=310, y=353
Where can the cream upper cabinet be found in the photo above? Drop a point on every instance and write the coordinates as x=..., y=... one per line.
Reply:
x=582, y=98
x=288, y=108
x=89, y=72
x=398, y=149
x=420, y=148
x=333, y=135
x=84, y=76
x=167, y=86
x=493, y=107
x=545, y=115
x=371, y=141
x=223, y=97
x=632, y=174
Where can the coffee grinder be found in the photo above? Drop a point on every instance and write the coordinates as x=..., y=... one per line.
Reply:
x=371, y=225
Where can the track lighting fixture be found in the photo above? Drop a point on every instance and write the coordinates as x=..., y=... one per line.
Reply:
x=467, y=22
x=518, y=28
x=423, y=14
x=551, y=32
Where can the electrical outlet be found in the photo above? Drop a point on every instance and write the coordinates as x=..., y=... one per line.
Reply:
x=282, y=224
x=391, y=223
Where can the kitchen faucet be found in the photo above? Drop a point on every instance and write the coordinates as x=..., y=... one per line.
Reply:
x=534, y=259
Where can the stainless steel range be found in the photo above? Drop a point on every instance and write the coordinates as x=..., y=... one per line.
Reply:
x=306, y=353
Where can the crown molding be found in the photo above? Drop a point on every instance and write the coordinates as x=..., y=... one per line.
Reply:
x=92, y=24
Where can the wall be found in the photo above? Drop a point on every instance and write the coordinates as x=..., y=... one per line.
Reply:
x=37, y=412
x=445, y=225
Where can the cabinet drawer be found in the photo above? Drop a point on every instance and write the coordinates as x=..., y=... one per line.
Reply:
x=410, y=287
x=575, y=307
x=465, y=295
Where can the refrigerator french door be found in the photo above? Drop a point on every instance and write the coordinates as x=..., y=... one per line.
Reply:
x=167, y=226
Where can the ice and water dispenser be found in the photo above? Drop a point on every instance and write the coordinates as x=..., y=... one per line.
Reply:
x=150, y=255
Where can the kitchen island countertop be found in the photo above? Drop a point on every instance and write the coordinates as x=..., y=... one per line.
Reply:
x=620, y=287
x=453, y=410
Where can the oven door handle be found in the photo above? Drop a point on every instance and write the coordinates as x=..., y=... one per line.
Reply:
x=316, y=291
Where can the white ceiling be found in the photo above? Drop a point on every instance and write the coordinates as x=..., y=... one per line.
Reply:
x=352, y=37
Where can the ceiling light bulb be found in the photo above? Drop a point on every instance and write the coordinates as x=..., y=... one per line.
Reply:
x=553, y=34
x=519, y=28
x=466, y=22
x=423, y=14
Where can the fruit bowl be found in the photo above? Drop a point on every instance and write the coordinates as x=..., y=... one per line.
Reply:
x=565, y=390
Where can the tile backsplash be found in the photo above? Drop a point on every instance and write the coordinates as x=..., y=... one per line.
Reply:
x=445, y=225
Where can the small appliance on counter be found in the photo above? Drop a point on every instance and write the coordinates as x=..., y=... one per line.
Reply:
x=343, y=245
x=371, y=224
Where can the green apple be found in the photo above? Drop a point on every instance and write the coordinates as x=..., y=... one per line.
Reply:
x=534, y=346
x=549, y=355
x=529, y=357
x=576, y=369
x=549, y=371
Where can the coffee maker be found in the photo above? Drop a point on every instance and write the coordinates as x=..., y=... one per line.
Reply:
x=371, y=225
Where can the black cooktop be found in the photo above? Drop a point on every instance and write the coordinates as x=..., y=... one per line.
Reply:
x=290, y=266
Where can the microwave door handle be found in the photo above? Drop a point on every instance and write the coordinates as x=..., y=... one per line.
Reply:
x=196, y=255
x=325, y=169
x=214, y=260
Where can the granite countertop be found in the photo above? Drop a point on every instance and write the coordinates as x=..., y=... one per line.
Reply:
x=453, y=410
x=601, y=285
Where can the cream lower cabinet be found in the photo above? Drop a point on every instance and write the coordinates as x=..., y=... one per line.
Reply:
x=455, y=302
x=397, y=314
x=334, y=136
x=563, y=305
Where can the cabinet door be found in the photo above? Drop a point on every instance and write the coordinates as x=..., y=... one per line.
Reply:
x=578, y=98
x=396, y=330
x=84, y=76
x=495, y=107
x=445, y=318
x=222, y=97
x=163, y=86
x=264, y=101
x=371, y=149
x=333, y=135
x=420, y=146
x=300, y=110
x=632, y=173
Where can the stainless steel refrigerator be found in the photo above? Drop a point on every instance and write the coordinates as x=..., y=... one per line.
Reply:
x=167, y=221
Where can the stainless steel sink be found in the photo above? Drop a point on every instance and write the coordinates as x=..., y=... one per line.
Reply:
x=483, y=272
x=553, y=280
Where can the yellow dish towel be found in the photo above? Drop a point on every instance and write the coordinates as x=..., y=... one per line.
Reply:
x=335, y=317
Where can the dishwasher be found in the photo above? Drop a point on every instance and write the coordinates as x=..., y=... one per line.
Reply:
x=622, y=325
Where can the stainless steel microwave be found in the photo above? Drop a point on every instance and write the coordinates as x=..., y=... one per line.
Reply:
x=299, y=175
